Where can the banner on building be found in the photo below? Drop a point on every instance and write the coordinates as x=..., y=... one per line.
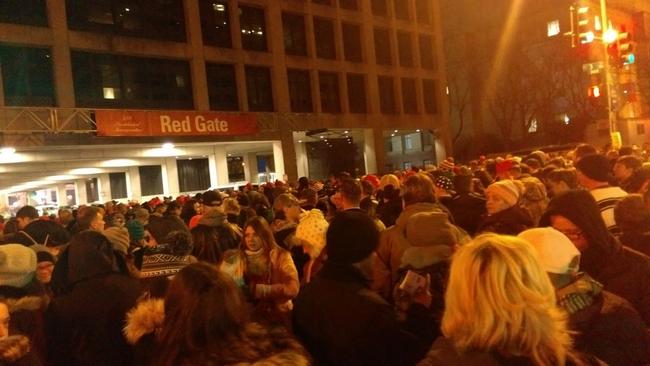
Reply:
x=174, y=123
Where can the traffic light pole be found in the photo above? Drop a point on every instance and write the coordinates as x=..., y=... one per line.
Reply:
x=611, y=90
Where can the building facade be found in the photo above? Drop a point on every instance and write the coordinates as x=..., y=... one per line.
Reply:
x=319, y=79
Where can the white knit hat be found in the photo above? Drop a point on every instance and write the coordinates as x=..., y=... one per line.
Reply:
x=509, y=190
x=557, y=254
x=17, y=265
x=311, y=231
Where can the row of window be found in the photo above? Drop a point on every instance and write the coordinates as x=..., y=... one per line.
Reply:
x=149, y=18
x=163, y=19
x=116, y=81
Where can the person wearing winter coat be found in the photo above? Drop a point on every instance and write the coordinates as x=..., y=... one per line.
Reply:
x=389, y=204
x=623, y=271
x=500, y=309
x=418, y=196
x=605, y=325
x=465, y=206
x=341, y=321
x=218, y=332
x=633, y=218
x=92, y=293
x=264, y=271
x=504, y=214
x=32, y=230
x=15, y=349
x=24, y=296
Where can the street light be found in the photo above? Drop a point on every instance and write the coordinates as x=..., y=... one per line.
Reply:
x=610, y=36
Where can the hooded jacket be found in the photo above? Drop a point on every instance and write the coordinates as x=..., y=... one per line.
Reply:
x=43, y=232
x=84, y=321
x=256, y=345
x=15, y=351
x=28, y=318
x=392, y=244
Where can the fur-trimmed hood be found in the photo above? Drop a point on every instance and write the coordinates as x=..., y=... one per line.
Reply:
x=257, y=345
x=28, y=303
x=13, y=348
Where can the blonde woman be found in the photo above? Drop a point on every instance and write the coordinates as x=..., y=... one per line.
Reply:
x=500, y=310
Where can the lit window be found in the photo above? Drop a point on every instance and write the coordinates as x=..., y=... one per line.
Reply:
x=553, y=28
x=533, y=126
x=109, y=93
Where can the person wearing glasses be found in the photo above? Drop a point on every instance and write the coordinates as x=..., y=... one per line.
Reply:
x=623, y=271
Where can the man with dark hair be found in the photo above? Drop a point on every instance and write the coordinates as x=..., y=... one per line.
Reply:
x=348, y=195
x=466, y=207
x=32, y=231
x=583, y=150
x=628, y=173
x=91, y=218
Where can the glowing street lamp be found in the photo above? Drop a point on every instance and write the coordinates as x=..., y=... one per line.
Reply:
x=610, y=35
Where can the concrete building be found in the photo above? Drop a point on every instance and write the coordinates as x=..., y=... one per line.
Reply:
x=521, y=54
x=299, y=87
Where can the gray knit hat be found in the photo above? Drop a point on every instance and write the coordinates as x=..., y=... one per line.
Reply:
x=17, y=265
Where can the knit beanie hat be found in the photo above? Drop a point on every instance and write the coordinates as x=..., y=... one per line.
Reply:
x=447, y=165
x=445, y=183
x=213, y=218
x=509, y=190
x=119, y=238
x=311, y=231
x=162, y=265
x=431, y=228
x=556, y=252
x=595, y=167
x=17, y=265
x=504, y=166
x=351, y=237
x=136, y=230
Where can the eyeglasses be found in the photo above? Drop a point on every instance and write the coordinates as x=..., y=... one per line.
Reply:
x=572, y=234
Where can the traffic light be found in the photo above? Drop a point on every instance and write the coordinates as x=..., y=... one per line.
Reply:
x=585, y=29
x=625, y=48
x=593, y=91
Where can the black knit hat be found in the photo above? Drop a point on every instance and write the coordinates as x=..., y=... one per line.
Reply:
x=351, y=237
x=595, y=167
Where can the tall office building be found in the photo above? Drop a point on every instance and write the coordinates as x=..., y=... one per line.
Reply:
x=248, y=90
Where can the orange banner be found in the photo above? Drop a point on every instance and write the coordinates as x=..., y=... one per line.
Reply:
x=173, y=123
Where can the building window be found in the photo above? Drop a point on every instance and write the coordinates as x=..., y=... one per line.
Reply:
x=160, y=19
x=30, y=12
x=27, y=77
x=258, y=89
x=413, y=142
x=112, y=81
x=349, y=4
x=640, y=129
x=402, y=10
x=386, y=95
x=533, y=126
x=236, y=169
x=215, y=23
x=92, y=190
x=553, y=28
x=357, y=93
x=222, y=87
x=405, y=49
x=300, y=90
x=409, y=96
x=329, y=92
x=324, y=34
x=427, y=61
x=150, y=180
x=382, y=46
x=352, y=42
x=193, y=174
x=430, y=96
x=379, y=7
x=117, y=182
x=422, y=11
x=293, y=26
x=253, y=28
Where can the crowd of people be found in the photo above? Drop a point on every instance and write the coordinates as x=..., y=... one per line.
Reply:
x=533, y=260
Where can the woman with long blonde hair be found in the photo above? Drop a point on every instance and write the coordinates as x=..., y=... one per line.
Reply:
x=500, y=309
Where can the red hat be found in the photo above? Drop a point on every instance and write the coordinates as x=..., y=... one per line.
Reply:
x=504, y=166
x=372, y=179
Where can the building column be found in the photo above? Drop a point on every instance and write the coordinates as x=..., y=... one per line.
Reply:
x=380, y=151
x=133, y=183
x=302, y=162
x=170, y=177
x=369, y=154
x=61, y=196
x=278, y=159
x=247, y=167
x=275, y=40
x=80, y=192
x=220, y=158
x=197, y=63
x=104, y=188
x=251, y=166
x=61, y=64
